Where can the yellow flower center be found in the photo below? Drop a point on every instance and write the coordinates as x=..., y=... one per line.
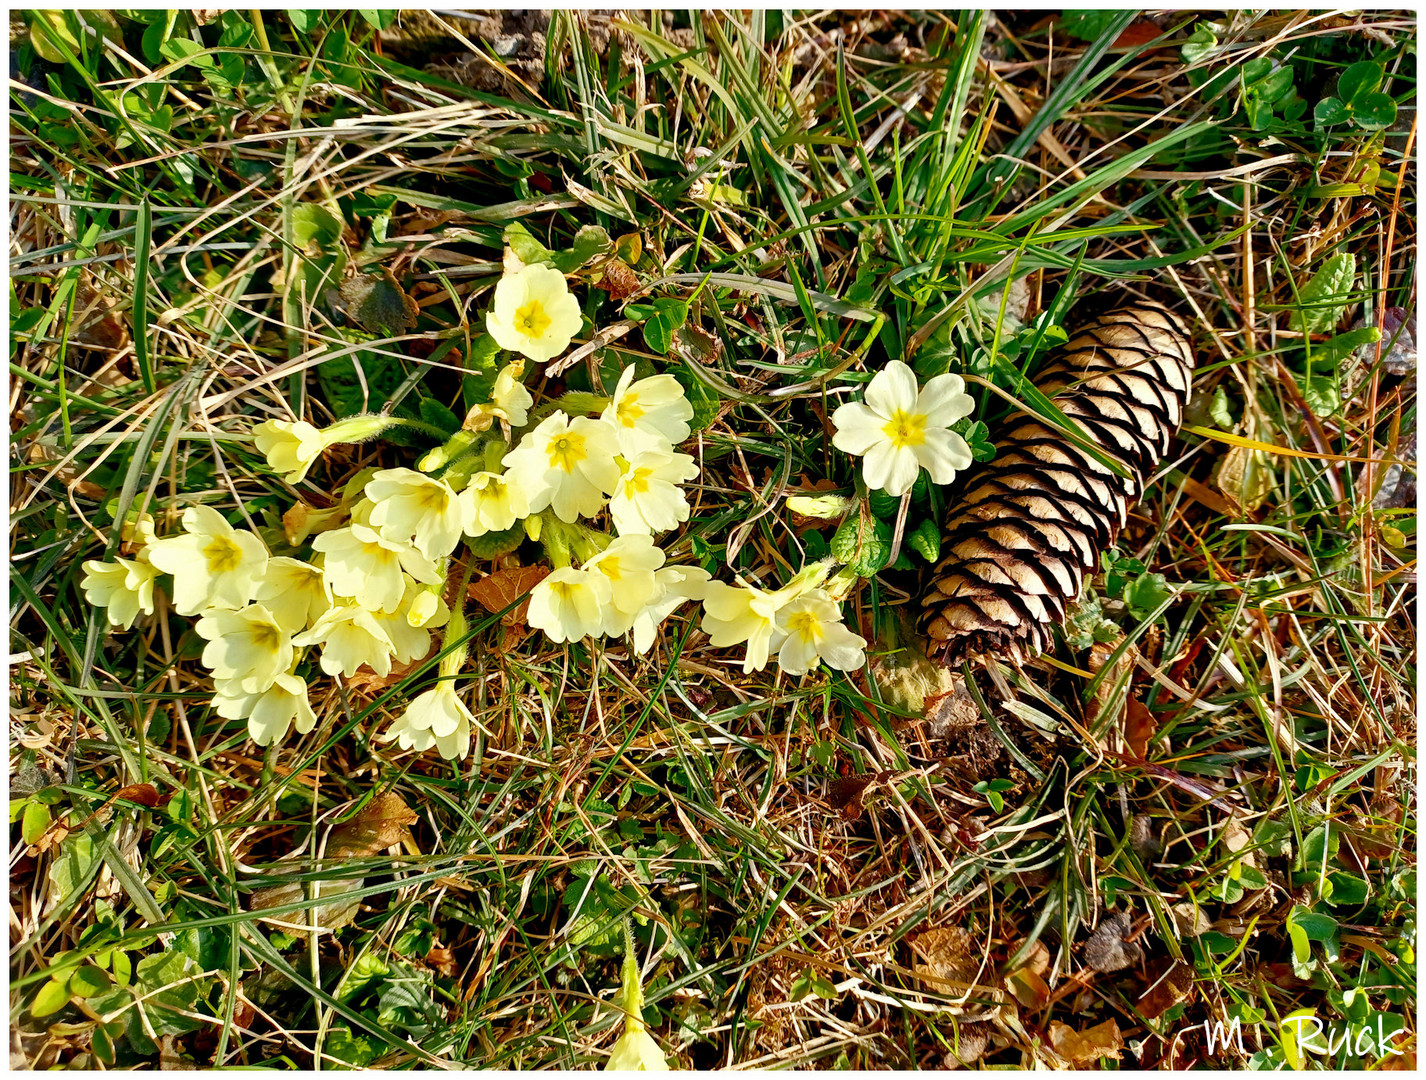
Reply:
x=564, y=589
x=434, y=498
x=629, y=410
x=266, y=636
x=531, y=319
x=905, y=429
x=637, y=482
x=611, y=569
x=566, y=451
x=806, y=626
x=223, y=555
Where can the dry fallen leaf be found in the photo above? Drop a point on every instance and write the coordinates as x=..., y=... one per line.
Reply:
x=1139, y=727
x=1170, y=982
x=952, y=957
x=1245, y=477
x=1083, y=1047
x=619, y=280
x=495, y=592
x=1190, y=919
x=1026, y=982
x=968, y=1044
x=382, y=823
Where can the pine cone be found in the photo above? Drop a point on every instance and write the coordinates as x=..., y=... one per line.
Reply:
x=1029, y=525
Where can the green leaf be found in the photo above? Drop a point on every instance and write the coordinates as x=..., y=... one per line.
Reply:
x=88, y=981
x=437, y=415
x=1145, y=593
x=70, y=871
x=36, y=820
x=1322, y=300
x=590, y=243
x=526, y=248
x=358, y=1051
x=381, y=19
x=926, y=541
x=1199, y=44
x=313, y=224
x=1087, y=24
x=1330, y=111
x=1347, y=890
x=863, y=542
x=364, y=975
x=379, y=304
x=1321, y=394
x=1218, y=409
x=1359, y=80
x=701, y=396
x=493, y=545
x=52, y=997
x=977, y=437
x=162, y=970
x=668, y=315
x=1375, y=112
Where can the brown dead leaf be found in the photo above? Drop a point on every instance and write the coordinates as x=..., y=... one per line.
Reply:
x=1170, y=982
x=1245, y=476
x=1028, y=988
x=951, y=955
x=495, y=592
x=619, y=280
x=1109, y=947
x=382, y=823
x=443, y=960
x=368, y=683
x=845, y=794
x=145, y=794
x=1083, y=1047
x=1139, y=727
x=1139, y=32
x=95, y=321
x=1190, y=919
x=1099, y=654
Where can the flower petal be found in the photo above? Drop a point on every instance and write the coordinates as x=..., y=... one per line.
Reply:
x=943, y=454
x=892, y=390
x=944, y=400
x=858, y=429
x=890, y=469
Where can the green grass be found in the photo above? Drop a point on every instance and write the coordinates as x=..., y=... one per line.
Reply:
x=830, y=871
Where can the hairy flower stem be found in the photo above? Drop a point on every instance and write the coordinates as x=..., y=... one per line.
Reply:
x=574, y=402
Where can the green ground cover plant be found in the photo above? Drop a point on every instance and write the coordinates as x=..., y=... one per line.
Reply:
x=455, y=621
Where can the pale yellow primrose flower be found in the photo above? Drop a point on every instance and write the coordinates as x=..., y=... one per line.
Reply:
x=436, y=718
x=494, y=503
x=570, y=604
x=509, y=401
x=270, y=713
x=362, y=564
x=350, y=637
x=123, y=588
x=246, y=647
x=733, y=614
x=290, y=446
x=533, y=313
x=814, y=629
x=411, y=507
x=629, y=563
x=648, y=498
x=900, y=431
x=651, y=414
x=636, y=1051
x=409, y=626
x=565, y=464
x=214, y=565
x=294, y=591
x=673, y=587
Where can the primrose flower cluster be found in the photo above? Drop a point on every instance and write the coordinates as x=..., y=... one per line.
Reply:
x=364, y=584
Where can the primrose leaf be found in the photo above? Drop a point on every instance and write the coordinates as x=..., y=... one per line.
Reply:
x=1322, y=300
